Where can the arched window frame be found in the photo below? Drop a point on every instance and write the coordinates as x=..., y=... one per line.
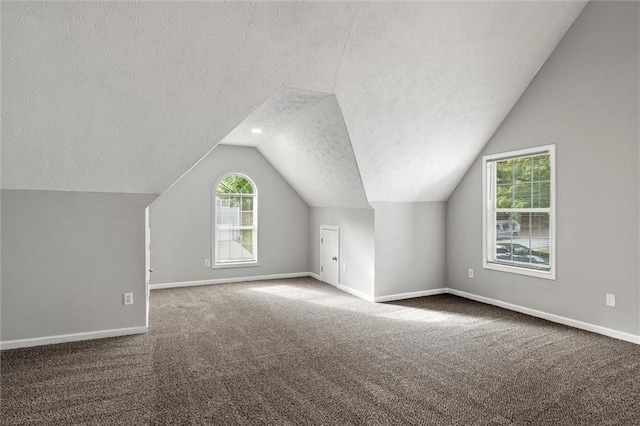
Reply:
x=219, y=260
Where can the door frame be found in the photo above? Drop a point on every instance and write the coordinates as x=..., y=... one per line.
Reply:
x=330, y=228
x=147, y=263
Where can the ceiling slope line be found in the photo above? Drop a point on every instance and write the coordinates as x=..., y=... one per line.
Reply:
x=206, y=154
x=347, y=43
x=189, y=169
x=353, y=152
x=416, y=81
x=310, y=111
x=515, y=103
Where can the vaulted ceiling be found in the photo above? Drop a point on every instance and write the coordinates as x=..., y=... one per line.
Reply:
x=126, y=96
x=304, y=136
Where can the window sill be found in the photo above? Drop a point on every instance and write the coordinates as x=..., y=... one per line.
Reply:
x=236, y=265
x=547, y=275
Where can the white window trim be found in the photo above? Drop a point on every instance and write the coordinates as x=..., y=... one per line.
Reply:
x=487, y=230
x=214, y=234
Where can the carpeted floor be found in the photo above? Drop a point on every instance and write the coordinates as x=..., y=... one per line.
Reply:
x=303, y=353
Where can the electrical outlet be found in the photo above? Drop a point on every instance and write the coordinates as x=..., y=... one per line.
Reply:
x=344, y=267
x=611, y=299
x=470, y=273
x=207, y=262
x=128, y=298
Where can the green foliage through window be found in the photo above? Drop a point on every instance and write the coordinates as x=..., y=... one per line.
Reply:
x=234, y=184
x=524, y=182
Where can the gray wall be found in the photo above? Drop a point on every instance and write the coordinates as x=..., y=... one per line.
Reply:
x=181, y=221
x=410, y=247
x=585, y=100
x=356, y=245
x=67, y=259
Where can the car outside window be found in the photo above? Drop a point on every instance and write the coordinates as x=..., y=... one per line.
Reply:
x=519, y=212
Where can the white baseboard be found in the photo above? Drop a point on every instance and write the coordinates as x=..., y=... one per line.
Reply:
x=65, y=338
x=620, y=335
x=401, y=296
x=354, y=292
x=39, y=341
x=229, y=280
x=628, y=337
x=344, y=288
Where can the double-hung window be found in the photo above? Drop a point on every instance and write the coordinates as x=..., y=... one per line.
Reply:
x=236, y=221
x=519, y=212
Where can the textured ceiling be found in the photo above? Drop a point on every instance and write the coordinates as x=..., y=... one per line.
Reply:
x=274, y=116
x=423, y=86
x=304, y=137
x=126, y=96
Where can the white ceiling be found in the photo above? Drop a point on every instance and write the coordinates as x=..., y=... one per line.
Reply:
x=274, y=116
x=124, y=96
x=423, y=86
x=305, y=138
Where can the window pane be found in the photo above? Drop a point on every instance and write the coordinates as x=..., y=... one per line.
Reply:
x=504, y=172
x=541, y=167
x=235, y=248
x=541, y=195
x=235, y=208
x=234, y=184
x=539, y=234
x=522, y=195
x=247, y=243
x=247, y=218
x=523, y=238
x=235, y=245
x=522, y=169
x=523, y=182
x=247, y=203
x=507, y=225
x=224, y=235
x=227, y=214
x=519, y=235
x=234, y=202
x=504, y=184
x=504, y=196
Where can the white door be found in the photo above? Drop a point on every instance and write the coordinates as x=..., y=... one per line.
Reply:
x=147, y=258
x=330, y=254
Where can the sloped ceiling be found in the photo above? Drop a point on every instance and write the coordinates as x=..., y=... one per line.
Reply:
x=304, y=137
x=423, y=86
x=126, y=96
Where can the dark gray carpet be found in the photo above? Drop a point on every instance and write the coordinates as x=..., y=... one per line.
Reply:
x=303, y=353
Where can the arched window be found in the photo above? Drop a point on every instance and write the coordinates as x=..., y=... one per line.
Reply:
x=236, y=221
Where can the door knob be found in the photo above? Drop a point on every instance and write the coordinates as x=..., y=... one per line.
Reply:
x=335, y=259
x=150, y=270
